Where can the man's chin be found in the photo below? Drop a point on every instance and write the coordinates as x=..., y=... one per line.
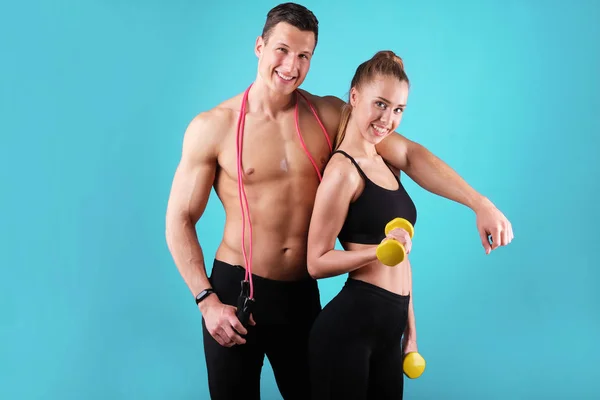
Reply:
x=284, y=90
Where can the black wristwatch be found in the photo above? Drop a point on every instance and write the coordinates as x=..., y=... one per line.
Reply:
x=203, y=294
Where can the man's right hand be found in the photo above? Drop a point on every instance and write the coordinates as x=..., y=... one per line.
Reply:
x=222, y=323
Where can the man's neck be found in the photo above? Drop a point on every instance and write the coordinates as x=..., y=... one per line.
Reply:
x=261, y=99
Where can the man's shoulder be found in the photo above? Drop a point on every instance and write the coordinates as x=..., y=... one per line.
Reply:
x=329, y=109
x=213, y=124
x=206, y=131
x=326, y=103
x=211, y=120
x=221, y=116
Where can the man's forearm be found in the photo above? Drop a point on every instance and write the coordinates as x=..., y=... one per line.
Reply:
x=186, y=251
x=434, y=175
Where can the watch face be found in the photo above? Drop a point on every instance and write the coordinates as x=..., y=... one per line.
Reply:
x=203, y=294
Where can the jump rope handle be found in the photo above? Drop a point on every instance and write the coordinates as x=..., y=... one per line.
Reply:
x=245, y=304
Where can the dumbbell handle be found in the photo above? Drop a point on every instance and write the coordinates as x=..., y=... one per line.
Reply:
x=400, y=223
x=391, y=252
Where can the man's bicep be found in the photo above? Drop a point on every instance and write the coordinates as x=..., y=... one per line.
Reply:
x=195, y=174
x=191, y=188
x=394, y=149
x=331, y=107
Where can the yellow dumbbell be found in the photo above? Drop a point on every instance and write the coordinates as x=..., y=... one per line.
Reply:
x=413, y=365
x=391, y=252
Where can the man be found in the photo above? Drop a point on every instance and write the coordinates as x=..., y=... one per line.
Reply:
x=274, y=121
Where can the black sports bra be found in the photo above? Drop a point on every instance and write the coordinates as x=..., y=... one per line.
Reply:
x=373, y=209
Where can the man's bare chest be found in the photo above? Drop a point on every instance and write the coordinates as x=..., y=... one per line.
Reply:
x=275, y=149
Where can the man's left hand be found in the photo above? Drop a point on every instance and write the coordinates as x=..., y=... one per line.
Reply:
x=494, y=228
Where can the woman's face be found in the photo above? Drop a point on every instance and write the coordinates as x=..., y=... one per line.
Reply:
x=377, y=107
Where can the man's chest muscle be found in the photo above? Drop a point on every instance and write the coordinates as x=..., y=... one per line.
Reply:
x=275, y=149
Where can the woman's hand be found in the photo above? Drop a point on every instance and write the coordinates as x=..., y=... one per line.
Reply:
x=401, y=236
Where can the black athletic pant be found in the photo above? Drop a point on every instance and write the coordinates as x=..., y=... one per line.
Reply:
x=355, y=345
x=284, y=313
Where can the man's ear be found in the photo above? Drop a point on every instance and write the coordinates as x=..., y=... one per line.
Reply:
x=259, y=46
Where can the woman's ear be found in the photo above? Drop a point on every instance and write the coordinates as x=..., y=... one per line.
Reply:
x=353, y=96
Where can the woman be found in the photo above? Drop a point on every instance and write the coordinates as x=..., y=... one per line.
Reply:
x=358, y=341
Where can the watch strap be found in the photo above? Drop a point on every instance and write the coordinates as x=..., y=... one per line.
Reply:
x=203, y=295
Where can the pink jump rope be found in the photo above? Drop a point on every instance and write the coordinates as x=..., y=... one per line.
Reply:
x=246, y=298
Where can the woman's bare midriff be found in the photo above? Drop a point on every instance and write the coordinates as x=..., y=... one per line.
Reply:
x=395, y=279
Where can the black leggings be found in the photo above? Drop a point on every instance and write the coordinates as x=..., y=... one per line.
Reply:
x=355, y=345
x=284, y=313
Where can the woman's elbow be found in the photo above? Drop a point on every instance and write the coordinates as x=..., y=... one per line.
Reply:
x=313, y=265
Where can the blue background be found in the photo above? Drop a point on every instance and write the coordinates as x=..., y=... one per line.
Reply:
x=95, y=97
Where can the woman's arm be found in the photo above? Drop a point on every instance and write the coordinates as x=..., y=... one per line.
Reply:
x=410, y=332
x=338, y=187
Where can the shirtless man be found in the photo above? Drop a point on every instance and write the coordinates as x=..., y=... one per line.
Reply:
x=281, y=165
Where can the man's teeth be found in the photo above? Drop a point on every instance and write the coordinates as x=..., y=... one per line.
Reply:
x=285, y=77
x=380, y=130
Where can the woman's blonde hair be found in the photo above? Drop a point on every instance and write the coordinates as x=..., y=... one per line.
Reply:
x=385, y=63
